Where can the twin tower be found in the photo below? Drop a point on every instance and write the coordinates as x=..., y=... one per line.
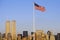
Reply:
x=11, y=28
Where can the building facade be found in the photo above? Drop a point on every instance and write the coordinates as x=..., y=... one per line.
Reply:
x=7, y=27
x=13, y=29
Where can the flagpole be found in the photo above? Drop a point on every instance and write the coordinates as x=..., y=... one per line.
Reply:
x=33, y=21
x=41, y=8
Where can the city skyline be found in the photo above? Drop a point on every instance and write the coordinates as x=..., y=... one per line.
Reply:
x=22, y=12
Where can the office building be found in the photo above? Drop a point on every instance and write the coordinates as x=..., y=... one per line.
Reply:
x=50, y=35
x=0, y=36
x=25, y=33
x=7, y=27
x=58, y=36
x=29, y=37
x=9, y=37
x=4, y=36
x=39, y=34
x=24, y=38
x=13, y=29
x=19, y=36
x=32, y=35
x=55, y=37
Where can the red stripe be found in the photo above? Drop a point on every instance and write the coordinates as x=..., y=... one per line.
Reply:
x=40, y=8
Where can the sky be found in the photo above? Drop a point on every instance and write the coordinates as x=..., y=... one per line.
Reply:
x=22, y=12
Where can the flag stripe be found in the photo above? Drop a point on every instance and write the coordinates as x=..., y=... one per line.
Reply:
x=36, y=4
x=38, y=7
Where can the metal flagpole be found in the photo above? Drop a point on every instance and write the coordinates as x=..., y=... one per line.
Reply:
x=33, y=21
x=39, y=8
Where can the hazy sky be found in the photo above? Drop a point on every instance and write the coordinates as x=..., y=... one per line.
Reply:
x=22, y=12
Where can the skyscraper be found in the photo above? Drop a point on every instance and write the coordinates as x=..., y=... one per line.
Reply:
x=38, y=34
x=7, y=27
x=25, y=33
x=13, y=30
x=32, y=35
x=58, y=36
x=19, y=36
x=0, y=36
x=55, y=37
x=9, y=37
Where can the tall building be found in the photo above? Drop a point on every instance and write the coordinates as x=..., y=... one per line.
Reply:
x=40, y=35
x=13, y=30
x=24, y=38
x=7, y=27
x=29, y=37
x=3, y=36
x=19, y=36
x=25, y=33
x=0, y=36
x=55, y=37
x=9, y=37
x=32, y=35
x=58, y=36
x=50, y=35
